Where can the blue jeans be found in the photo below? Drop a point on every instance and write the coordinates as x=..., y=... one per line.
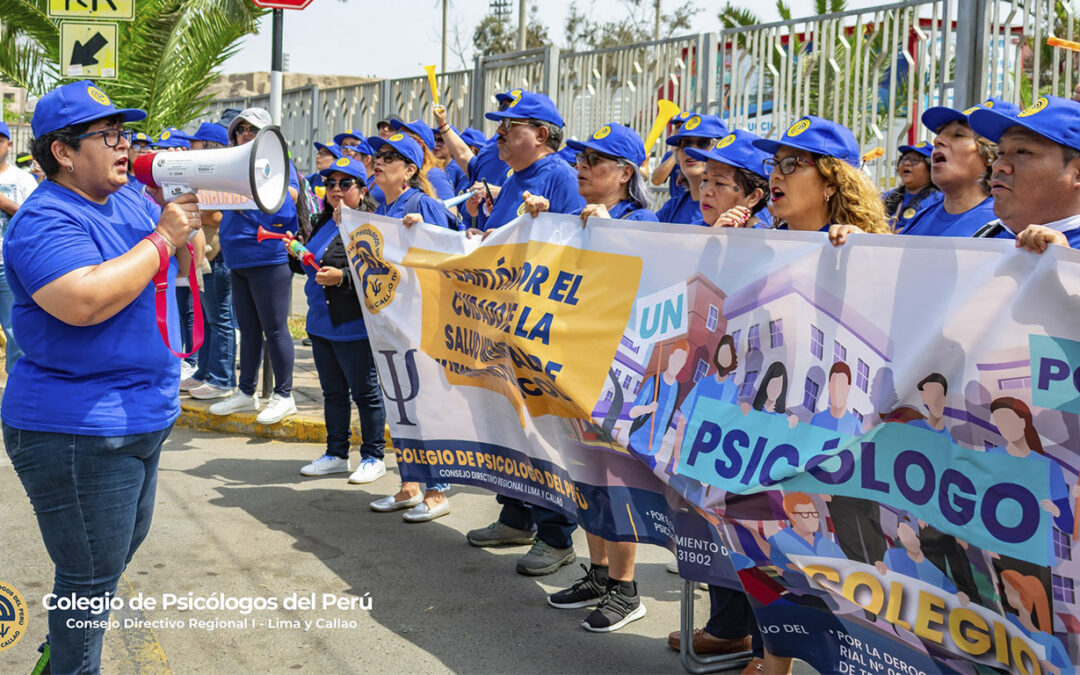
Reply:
x=552, y=527
x=187, y=318
x=348, y=369
x=217, y=357
x=261, y=304
x=12, y=352
x=94, y=498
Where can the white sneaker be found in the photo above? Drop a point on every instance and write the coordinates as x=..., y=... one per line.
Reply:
x=189, y=383
x=324, y=465
x=207, y=391
x=238, y=402
x=368, y=470
x=186, y=370
x=276, y=409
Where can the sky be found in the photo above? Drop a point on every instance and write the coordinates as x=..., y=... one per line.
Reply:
x=396, y=38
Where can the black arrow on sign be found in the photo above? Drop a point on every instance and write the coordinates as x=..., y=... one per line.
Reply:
x=83, y=54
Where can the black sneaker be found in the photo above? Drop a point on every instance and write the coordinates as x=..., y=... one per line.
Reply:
x=615, y=610
x=586, y=591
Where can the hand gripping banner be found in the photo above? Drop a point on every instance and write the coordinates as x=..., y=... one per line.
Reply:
x=879, y=442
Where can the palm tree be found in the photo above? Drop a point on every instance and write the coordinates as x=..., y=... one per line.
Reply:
x=167, y=55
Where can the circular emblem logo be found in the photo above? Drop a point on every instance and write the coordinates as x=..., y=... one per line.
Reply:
x=509, y=172
x=798, y=128
x=683, y=115
x=988, y=103
x=725, y=141
x=602, y=132
x=921, y=144
x=909, y=213
x=1039, y=105
x=13, y=616
x=165, y=135
x=98, y=95
x=397, y=137
x=692, y=123
x=521, y=209
x=342, y=162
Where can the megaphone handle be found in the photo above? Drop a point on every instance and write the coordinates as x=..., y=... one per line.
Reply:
x=171, y=191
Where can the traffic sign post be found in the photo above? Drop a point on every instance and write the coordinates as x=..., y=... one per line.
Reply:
x=112, y=10
x=282, y=4
x=276, y=49
x=88, y=49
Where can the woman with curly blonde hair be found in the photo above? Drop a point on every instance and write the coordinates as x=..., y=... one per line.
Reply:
x=815, y=183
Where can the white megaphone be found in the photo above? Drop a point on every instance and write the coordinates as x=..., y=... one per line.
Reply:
x=258, y=170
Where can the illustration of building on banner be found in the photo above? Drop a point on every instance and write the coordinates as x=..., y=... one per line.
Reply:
x=787, y=317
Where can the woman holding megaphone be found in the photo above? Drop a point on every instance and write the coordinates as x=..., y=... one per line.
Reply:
x=261, y=279
x=339, y=338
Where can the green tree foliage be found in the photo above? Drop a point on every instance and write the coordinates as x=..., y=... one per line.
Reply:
x=167, y=56
x=496, y=36
x=635, y=23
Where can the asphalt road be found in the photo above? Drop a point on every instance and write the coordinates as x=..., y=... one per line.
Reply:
x=234, y=518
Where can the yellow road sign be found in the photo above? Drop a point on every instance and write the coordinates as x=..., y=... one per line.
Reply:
x=88, y=49
x=117, y=10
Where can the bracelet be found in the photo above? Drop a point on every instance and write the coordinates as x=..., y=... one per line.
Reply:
x=342, y=280
x=444, y=127
x=157, y=239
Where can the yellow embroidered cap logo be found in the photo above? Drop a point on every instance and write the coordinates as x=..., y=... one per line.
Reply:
x=516, y=95
x=13, y=616
x=1038, y=106
x=970, y=110
x=798, y=128
x=378, y=278
x=988, y=103
x=342, y=162
x=165, y=135
x=725, y=141
x=921, y=144
x=98, y=95
x=601, y=132
x=693, y=123
x=397, y=137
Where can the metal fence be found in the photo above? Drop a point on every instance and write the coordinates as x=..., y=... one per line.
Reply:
x=874, y=70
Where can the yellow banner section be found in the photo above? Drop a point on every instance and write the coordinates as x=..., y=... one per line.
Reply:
x=538, y=323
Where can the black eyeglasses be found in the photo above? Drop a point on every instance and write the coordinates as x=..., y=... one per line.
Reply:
x=786, y=165
x=388, y=156
x=594, y=158
x=111, y=136
x=695, y=142
x=344, y=183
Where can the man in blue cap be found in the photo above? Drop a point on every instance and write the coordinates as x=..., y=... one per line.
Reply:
x=529, y=135
x=15, y=186
x=1036, y=176
x=89, y=405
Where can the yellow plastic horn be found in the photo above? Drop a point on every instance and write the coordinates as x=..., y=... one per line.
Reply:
x=430, y=70
x=665, y=111
x=874, y=154
x=1064, y=44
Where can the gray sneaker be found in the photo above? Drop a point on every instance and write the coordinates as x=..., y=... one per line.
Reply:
x=543, y=559
x=497, y=534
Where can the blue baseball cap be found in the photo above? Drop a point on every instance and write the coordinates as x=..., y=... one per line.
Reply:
x=361, y=147
x=699, y=126
x=936, y=118
x=347, y=166
x=405, y=145
x=529, y=106
x=418, y=127
x=922, y=147
x=139, y=137
x=508, y=96
x=614, y=140
x=4, y=131
x=736, y=149
x=818, y=136
x=76, y=103
x=210, y=132
x=349, y=133
x=333, y=149
x=1052, y=117
x=568, y=154
x=474, y=137
x=682, y=117
x=173, y=138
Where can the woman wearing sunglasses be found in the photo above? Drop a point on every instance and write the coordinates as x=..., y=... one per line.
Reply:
x=396, y=168
x=339, y=338
x=698, y=132
x=431, y=168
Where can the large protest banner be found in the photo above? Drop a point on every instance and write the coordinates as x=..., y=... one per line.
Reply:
x=879, y=442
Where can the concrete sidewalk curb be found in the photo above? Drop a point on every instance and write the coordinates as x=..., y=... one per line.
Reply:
x=299, y=428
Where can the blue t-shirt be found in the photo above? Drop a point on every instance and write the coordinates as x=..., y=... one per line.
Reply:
x=675, y=188
x=923, y=424
x=486, y=165
x=115, y=378
x=444, y=187
x=902, y=221
x=431, y=209
x=787, y=542
x=682, y=209
x=626, y=210
x=318, y=315
x=458, y=178
x=847, y=424
x=238, y=233
x=548, y=177
x=657, y=426
x=933, y=221
x=709, y=389
x=900, y=562
x=1055, y=651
